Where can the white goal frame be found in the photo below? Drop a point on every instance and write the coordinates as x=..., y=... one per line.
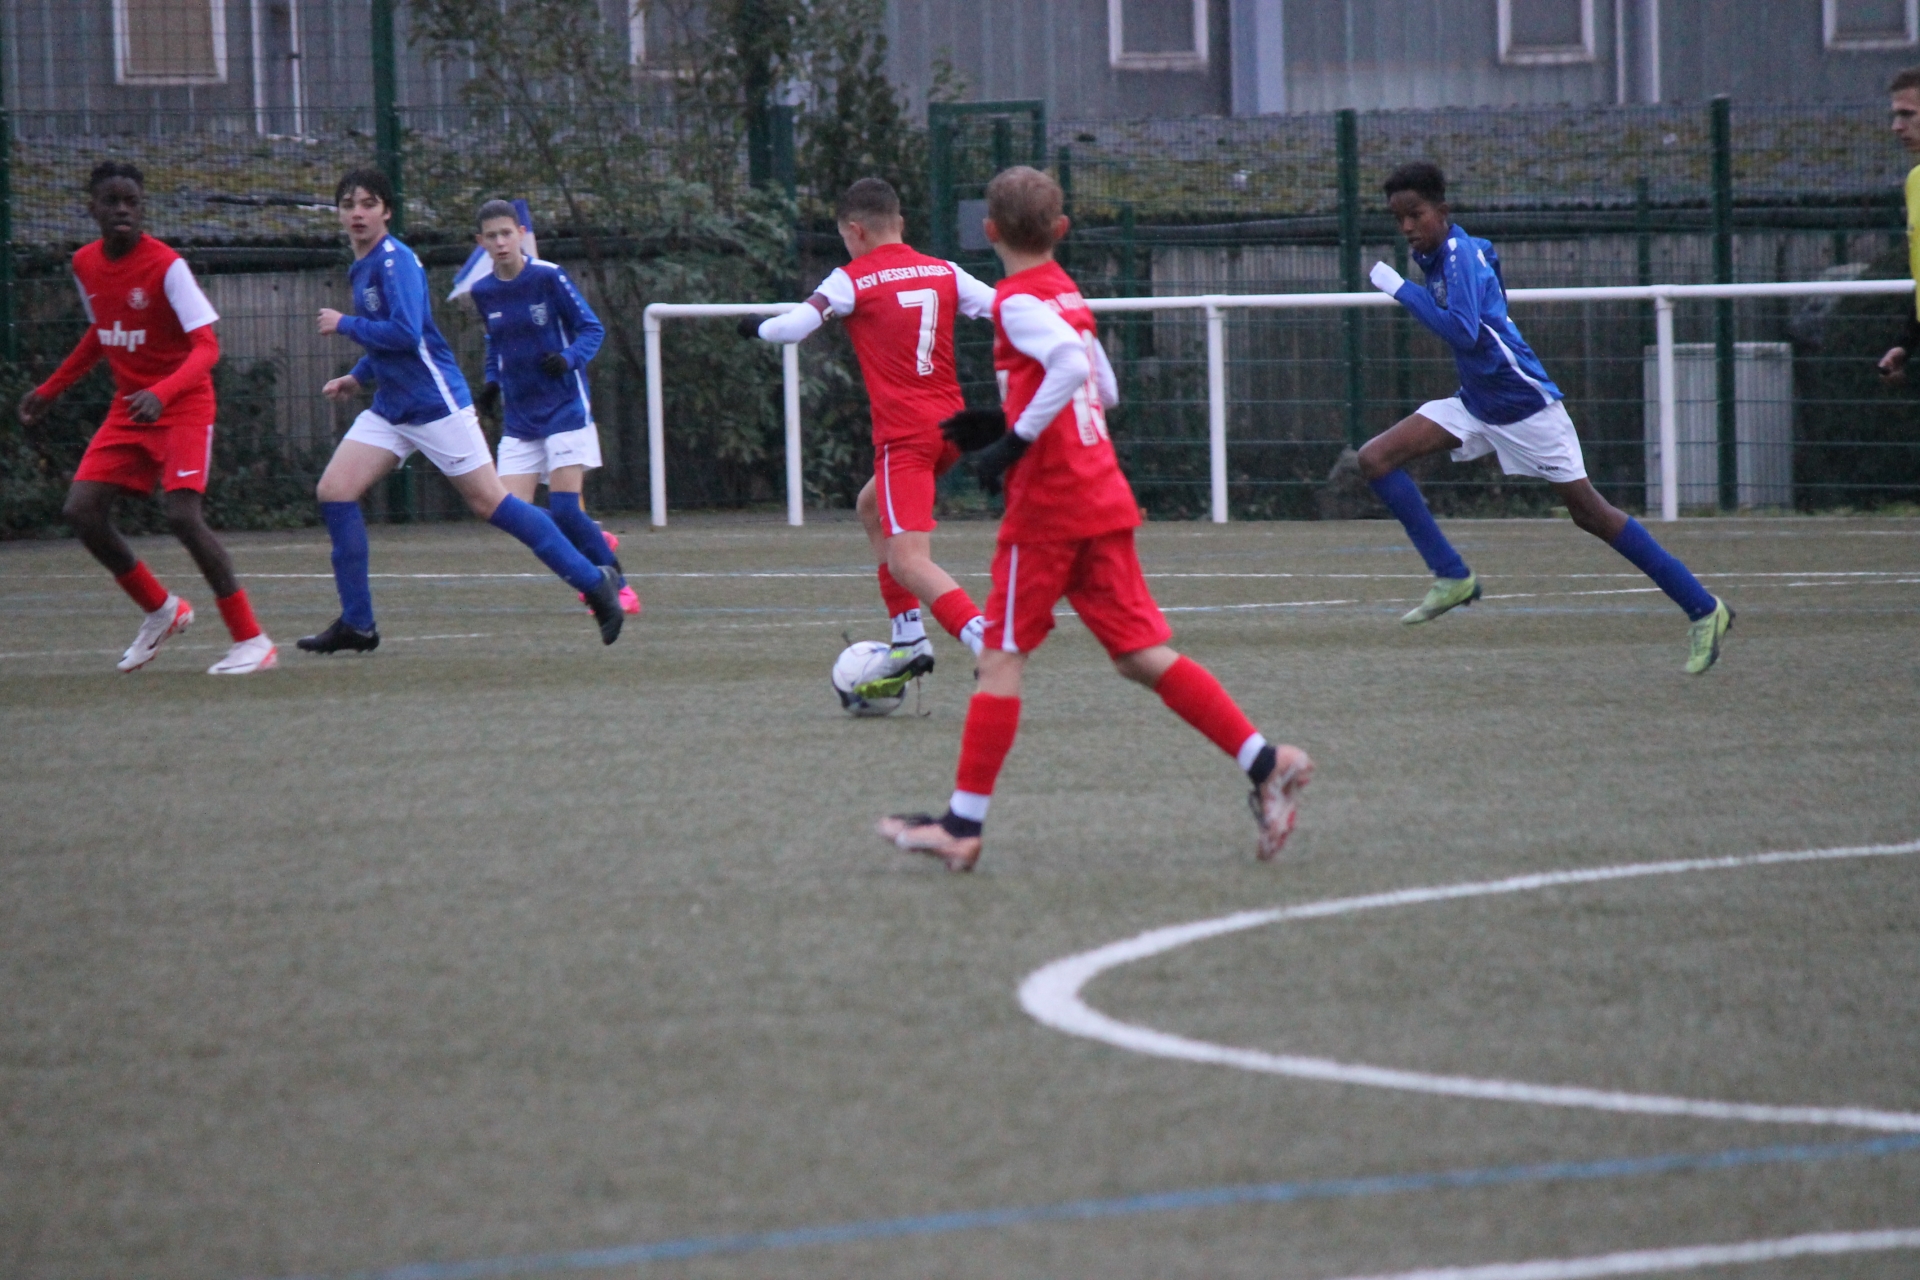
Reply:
x=1215, y=306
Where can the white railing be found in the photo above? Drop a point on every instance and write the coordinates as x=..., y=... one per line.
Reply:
x=1215, y=306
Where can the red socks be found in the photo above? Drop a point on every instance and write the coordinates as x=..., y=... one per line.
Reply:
x=991, y=723
x=898, y=599
x=238, y=614
x=954, y=610
x=1196, y=697
x=145, y=589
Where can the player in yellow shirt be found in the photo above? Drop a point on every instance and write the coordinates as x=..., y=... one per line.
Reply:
x=1905, y=91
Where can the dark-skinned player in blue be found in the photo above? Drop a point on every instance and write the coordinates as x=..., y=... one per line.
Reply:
x=1506, y=405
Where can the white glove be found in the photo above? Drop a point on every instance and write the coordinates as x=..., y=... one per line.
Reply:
x=1386, y=279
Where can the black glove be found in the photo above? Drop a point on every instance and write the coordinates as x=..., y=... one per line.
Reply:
x=991, y=463
x=974, y=429
x=749, y=326
x=554, y=365
x=489, y=400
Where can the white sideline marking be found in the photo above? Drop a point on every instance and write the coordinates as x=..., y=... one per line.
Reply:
x=1051, y=994
x=1687, y=1258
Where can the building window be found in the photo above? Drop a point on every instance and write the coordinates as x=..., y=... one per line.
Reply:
x=1871, y=24
x=1157, y=35
x=170, y=41
x=1546, y=32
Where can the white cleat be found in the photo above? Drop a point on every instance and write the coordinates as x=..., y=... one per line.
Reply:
x=247, y=657
x=164, y=623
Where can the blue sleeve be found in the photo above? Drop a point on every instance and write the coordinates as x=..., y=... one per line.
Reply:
x=490, y=372
x=362, y=371
x=588, y=333
x=404, y=283
x=1459, y=325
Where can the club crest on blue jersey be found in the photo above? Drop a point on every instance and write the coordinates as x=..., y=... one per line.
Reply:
x=538, y=312
x=1437, y=286
x=370, y=297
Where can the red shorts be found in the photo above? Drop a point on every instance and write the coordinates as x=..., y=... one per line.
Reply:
x=903, y=476
x=174, y=455
x=1101, y=579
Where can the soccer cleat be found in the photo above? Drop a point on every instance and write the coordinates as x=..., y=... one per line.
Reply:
x=630, y=601
x=1275, y=802
x=923, y=833
x=338, y=636
x=604, y=600
x=247, y=657
x=613, y=540
x=1703, y=637
x=906, y=660
x=169, y=620
x=1444, y=594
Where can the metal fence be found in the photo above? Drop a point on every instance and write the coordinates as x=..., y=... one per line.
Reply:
x=1289, y=204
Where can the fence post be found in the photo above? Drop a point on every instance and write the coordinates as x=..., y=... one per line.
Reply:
x=1063, y=170
x=386, y=109
x=940, y=179
x=1728, y=423
x=790, y=398
x=1347, y=147
x=1129, y=285
x=1002, y=144
x=1669, y=409
x=1217, y=411
x=9, y=334
x=656, y=423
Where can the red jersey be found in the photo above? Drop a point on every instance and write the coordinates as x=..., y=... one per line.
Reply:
x=1068, y=485
x=141, y=310
x=899, y=306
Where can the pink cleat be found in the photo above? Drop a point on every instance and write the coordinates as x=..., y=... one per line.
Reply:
x=613, y=540
x=923, y=833
x=630, y=601
x=1275, y=802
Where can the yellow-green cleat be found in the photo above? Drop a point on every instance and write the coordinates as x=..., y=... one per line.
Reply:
x=1703, y=637
x=1444, y=594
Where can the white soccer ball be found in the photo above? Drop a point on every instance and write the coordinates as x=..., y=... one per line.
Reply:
x=858, y=663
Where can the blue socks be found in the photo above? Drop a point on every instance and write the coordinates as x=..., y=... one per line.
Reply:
x=349, y=533
x=1672, y=577
x=1402, y=496
x=580, y=529
x=535, y=528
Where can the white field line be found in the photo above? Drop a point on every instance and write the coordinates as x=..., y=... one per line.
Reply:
x=1052, y=996
x=825, y=574
x=1642, y=1262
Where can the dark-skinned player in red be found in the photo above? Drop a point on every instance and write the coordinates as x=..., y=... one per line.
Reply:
x=148, y=318
x=1068, y=531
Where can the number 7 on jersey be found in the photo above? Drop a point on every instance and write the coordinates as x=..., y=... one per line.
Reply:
x=929, y=303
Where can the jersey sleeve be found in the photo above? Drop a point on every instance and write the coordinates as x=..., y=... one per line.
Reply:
x=362, y=372
x=837, y=289
x=1459, y=324
x=588, y=332
x=201, y=357
x=403, y=283
x=1041, y=335
x=976, y=299
x=189, y=304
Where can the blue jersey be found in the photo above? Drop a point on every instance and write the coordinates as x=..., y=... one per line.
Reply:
x=1465, y=302
x=413, y=371
x=533, y=315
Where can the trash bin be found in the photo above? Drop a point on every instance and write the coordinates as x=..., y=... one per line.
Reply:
x=1762, y=416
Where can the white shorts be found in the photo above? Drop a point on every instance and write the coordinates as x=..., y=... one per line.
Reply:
x=454, y=444
x=1543, y=446
x=546, y=455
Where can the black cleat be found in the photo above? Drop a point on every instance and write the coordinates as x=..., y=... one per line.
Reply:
x=338, y=636
x=604, y=600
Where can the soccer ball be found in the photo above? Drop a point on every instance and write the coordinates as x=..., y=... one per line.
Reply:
x=859, y=662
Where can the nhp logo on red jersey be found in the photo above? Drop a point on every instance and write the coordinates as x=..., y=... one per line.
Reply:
x=123, y=338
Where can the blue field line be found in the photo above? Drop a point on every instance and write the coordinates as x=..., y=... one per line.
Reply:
x=1128, y=1206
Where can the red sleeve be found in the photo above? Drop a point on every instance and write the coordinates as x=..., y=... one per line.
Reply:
x=200, y=360
x=84, y=356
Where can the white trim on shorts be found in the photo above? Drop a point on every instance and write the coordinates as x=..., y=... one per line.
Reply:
x=886, y=488
x=1543, y=445
x=544, y=455
x=453, y=444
